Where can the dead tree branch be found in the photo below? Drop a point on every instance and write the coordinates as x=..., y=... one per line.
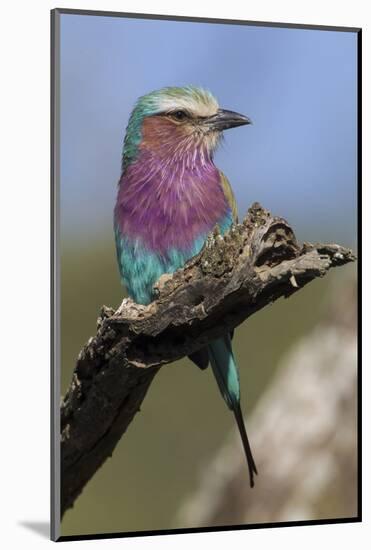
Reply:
x=234, y=276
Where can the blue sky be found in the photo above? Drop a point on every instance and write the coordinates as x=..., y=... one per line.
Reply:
x=298, y=86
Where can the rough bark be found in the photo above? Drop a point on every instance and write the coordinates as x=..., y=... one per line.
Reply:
x=234, y=276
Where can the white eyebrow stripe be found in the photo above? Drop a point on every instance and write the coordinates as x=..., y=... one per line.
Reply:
x=196, y=108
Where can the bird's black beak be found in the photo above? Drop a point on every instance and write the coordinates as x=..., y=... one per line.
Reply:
x=224, y=119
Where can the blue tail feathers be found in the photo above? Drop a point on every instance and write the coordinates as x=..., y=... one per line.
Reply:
x=225, y=371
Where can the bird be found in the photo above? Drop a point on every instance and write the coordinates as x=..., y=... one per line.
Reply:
x=170, y=197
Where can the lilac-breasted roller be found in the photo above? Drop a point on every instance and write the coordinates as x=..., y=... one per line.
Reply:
x=170, y=197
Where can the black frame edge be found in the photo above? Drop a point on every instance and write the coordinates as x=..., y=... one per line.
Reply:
x=215, y=529
x=54, y=281
x=194, y=19
x=359, y=269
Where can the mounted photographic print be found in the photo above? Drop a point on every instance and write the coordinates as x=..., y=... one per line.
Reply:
x=205, y=179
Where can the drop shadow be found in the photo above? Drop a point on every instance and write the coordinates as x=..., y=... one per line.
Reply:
x=42, y=528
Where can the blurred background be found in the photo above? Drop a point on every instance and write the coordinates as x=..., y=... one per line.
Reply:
x=299, y=160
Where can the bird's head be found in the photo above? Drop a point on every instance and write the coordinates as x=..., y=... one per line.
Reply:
x=174, y=121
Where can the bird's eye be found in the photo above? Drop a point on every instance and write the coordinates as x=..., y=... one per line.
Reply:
x=179, y=115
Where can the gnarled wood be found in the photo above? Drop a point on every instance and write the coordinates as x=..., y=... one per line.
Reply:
x=234, y=276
